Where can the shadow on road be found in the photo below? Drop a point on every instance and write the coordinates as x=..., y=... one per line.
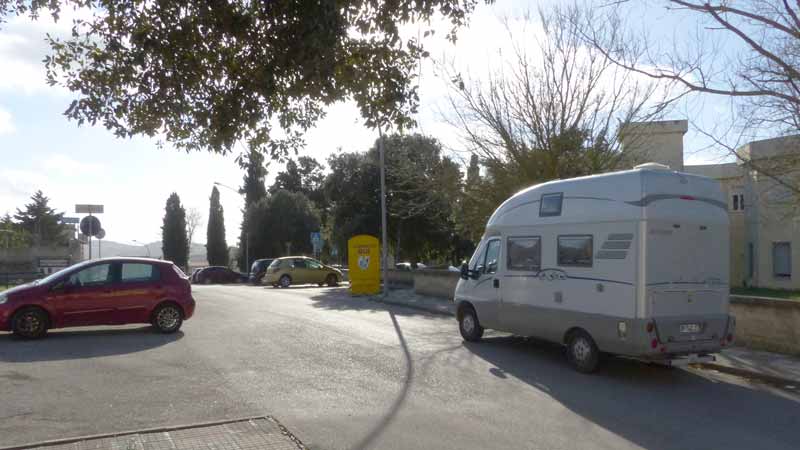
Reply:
x=651, y=406
x=340, y=299
x=60, y=345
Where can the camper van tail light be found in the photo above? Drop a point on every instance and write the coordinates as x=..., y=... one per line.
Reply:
x=687, y=197
x=663, y=349
x=730, y=337
x=654, y=343
x=650, y=327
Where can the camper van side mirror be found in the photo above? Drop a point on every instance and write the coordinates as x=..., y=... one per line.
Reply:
x=464, y=271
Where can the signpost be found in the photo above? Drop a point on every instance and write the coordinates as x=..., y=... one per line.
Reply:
x=316, y=243
x=90, y=226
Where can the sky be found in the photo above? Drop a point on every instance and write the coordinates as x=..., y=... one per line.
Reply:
x=41, y=149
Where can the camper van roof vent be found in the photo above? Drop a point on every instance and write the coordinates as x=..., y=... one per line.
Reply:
x=653, y=166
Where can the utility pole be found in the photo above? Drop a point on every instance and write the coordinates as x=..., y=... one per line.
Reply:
x=385, y=272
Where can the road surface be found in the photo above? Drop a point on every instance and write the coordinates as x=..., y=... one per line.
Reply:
x=346, y=373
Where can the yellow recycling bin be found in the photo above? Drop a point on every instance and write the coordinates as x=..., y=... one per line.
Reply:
x=364, y=264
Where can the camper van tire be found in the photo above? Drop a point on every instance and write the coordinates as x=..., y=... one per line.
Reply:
x=582, y=352
x=471, y=330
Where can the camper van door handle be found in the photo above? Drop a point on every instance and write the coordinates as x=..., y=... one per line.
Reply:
x=496, y=283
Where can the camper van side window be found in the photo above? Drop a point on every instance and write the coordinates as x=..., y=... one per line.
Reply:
x=550, y=204
x=575, y=250
x=524, y=253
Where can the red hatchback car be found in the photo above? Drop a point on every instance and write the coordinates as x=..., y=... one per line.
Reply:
x=111, y=291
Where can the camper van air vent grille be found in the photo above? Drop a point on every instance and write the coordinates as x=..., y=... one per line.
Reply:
x=620, y=236
x=616, y=246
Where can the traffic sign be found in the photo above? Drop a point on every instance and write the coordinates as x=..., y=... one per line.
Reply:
x=70, y=220
x=101, y=234
x=89, y=209
x=90, y=226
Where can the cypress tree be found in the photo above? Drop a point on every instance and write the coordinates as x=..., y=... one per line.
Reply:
x=174, y=239
x=216, y=246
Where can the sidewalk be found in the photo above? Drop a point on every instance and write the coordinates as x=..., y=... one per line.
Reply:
x=263, y=433
x=765, y=366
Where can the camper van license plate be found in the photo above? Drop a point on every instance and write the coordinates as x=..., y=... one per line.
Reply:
x=690, y=328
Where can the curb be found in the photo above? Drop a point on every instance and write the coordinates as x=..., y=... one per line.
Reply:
x=410, y=306
x=745, y=373
x=73, y=440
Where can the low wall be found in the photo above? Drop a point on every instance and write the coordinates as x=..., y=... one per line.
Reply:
x=435, y=283
x=403, y=277
x=767, y=324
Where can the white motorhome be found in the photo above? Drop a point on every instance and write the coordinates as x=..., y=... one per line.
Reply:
x=632, y=263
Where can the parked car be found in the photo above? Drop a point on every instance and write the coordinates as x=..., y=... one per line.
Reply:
x=290, y=270
x=633, y=263
x=407, y=266
x=217, y=275
x=110, y=291
x=258, y=269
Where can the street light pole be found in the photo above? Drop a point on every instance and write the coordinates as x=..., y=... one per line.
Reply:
x=146, y=247
x=246, y=232
x=383, y=213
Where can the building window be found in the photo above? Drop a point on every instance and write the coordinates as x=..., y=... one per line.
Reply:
x=551, y=205
x=524, y=254
x=737, y=202
x=782, y=259
x=575, y=251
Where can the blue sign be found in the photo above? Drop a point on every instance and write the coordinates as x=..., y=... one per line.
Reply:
x=70, y=220
x=316, y=241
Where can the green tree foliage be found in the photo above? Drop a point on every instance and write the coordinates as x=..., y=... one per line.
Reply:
x=423, y=186
x=353, y=191
x=12, y=235
x=216, y=246
x=280, y=218
x=255, y=172
x=306, y=176
x=211, y=74
x=473, y=209
x=42, y=222
x=175, y=242
x=254, y=190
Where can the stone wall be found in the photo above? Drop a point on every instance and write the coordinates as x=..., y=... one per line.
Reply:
x=767, y=324
x=435, y=283
x=401, y=277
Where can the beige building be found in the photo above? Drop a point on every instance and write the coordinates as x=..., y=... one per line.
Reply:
x=765, y=224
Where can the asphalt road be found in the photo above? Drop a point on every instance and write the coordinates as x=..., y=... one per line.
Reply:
x=346, y=373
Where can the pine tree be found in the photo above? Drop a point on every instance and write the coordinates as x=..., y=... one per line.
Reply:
x=216, y=246
x=41, y=221
x=175, y=242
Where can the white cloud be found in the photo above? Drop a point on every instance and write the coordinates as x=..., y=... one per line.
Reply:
x=23, y=46
x=6, y=124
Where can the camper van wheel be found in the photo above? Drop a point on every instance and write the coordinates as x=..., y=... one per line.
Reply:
x=582, y=352
x=471, y=329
